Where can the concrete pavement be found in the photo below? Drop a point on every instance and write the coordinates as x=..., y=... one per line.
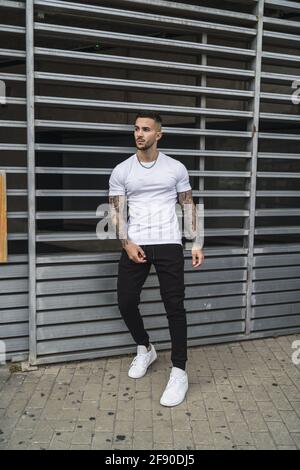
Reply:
x=243, y=395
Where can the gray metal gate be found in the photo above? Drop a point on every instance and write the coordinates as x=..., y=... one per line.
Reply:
x=225, y=77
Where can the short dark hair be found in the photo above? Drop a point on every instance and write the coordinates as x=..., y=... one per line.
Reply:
x=151, y=115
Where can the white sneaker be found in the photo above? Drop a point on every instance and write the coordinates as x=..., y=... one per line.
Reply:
x=142, y=361
x=176, y=388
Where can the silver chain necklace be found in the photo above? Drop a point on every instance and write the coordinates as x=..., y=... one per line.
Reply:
x=148, y=167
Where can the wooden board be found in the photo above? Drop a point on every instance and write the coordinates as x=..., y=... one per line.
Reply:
x=3, y=219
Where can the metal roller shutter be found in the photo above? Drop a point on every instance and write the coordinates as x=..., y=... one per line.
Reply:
x=221, y=74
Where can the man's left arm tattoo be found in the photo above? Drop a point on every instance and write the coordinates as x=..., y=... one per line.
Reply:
x=193, y=219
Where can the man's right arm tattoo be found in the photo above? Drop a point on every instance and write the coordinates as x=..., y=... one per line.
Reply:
x=118, y=204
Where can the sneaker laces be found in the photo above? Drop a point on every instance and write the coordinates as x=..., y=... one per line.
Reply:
x=173, y=379
x=140, y=359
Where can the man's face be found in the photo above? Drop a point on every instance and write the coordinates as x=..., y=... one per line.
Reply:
x=146, y=133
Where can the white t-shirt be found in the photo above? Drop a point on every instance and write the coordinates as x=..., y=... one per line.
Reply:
x=151, y=196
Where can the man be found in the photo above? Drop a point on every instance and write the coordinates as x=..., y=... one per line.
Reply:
x=151, y=182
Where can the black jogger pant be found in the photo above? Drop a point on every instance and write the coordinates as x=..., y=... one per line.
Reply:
x=168, y=260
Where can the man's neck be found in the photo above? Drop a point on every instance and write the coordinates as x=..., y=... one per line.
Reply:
x=147, y=156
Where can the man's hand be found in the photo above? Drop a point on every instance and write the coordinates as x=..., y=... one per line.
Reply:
x=197, y=256
x=135, y=252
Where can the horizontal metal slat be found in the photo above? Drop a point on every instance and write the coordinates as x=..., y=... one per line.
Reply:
x=15, y=345
x=86, y=329
x=117, y=326
x=103, y=193
x=193, y=9
x=95, y=268
x=15, y=124
x=63, y=236
x=81, y=215
x=284, y=4
x=128, y=16
x=108, y=298
x=231, y=305
x=71, y=193
x=17, y=300
x=16, y=101
x=276, y=310
x=220, y=304
x=274, y=174
x=278, y=193
x=136, y=40
x=108, y=341
x=13, y=285
x=131, y=150
x=281, y=37
x=278, y=77
x=13, y=147
x=224, y=251
x=67, y=215
x=277, y=212
x=116, y=351
x=277, y=230
x=73, y=171
x=275, y=97
x=55, y=317
x=12, y=29
x=276, y=285
x=276, y=272
x=76, y=271
x=17, y=315
x=274, y=323
x=86, y=149
x=281, y=24
x=17, y=236
x=276, y=297
x=47, y=303
x=14, y=169
x=17, y=215
x=103, y=284
x=277, y=248
x=95, y=126
x=13, y=330
x=279, y=117
x=12, y=4
x=12, y=53
x=291, y=156
x=279, y=136
x=206, y=291
x=13, y=271
x=17, y=192
x=17, y=259
x=14, y=77
x=77, y=286
x=278, y=260
x=130, y=106
x=281, y=58
x=160, y=87
x=141, y=64
x=107, y=171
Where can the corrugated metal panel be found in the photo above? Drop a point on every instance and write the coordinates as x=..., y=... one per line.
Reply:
x=12, y=128
x=276, y=293
x=276, y=284
x=14, y=306
x=14, y=273
x=221, y=74
x=77, y=305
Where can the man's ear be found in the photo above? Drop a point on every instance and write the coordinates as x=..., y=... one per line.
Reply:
x=159, y=136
